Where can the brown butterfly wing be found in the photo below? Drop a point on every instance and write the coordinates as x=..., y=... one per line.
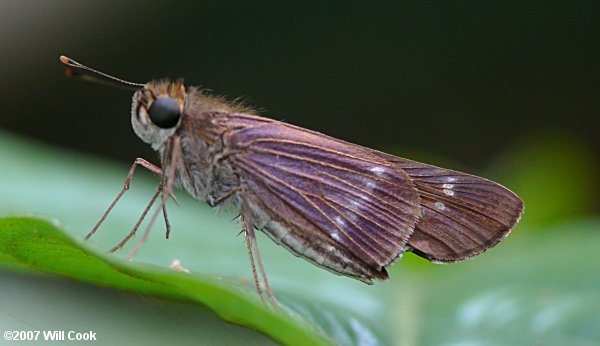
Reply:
x=343, y=192
x=462, y=215
x=371, y=200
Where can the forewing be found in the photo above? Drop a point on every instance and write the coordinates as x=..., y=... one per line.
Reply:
x=462, y=215
x=349, y=195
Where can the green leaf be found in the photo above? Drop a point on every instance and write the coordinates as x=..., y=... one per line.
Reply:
x=38, y=245
x=530, y=290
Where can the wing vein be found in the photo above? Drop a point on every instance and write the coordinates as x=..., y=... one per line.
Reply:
x=359, y=214
x=320, y=163
x=464, y=205
x=312, y=146
x=301, y=193
x=369, y=194
x=475, y=231
x=345, y=182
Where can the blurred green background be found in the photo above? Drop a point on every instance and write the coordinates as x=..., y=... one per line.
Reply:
x=507, y=90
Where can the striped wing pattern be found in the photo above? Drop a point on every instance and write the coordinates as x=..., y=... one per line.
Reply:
x=463, y=215
x=353, y=197
x=373, y=204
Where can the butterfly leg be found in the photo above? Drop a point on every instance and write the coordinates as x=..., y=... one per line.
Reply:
x=167, y=192
x=251, y=243
x=248, y=229
x=150, y=167
x=139, y=221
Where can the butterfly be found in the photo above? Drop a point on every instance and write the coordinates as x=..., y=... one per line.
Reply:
x=346, y=208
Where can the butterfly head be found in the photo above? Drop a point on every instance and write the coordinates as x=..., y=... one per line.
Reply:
x=157, y=105
x=157, y=109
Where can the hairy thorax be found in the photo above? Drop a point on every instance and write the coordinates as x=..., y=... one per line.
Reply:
x=204, y=170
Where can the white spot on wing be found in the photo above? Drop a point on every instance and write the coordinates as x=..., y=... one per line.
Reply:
x=335, y=236
x=370, y=186
x=440, y=205
x=451, y=179
x=448, y=192
x=378, y=170
x=340, y=221
x=448, y=186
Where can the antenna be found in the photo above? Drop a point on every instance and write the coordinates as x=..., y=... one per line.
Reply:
x=94, y=75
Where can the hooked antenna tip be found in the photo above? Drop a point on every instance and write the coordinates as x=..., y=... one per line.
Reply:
x=64, y=60
x=88, y=73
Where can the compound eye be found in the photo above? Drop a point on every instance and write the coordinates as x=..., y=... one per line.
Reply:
x=165, y=112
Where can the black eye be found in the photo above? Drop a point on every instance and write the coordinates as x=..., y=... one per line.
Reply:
x=165, y=112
